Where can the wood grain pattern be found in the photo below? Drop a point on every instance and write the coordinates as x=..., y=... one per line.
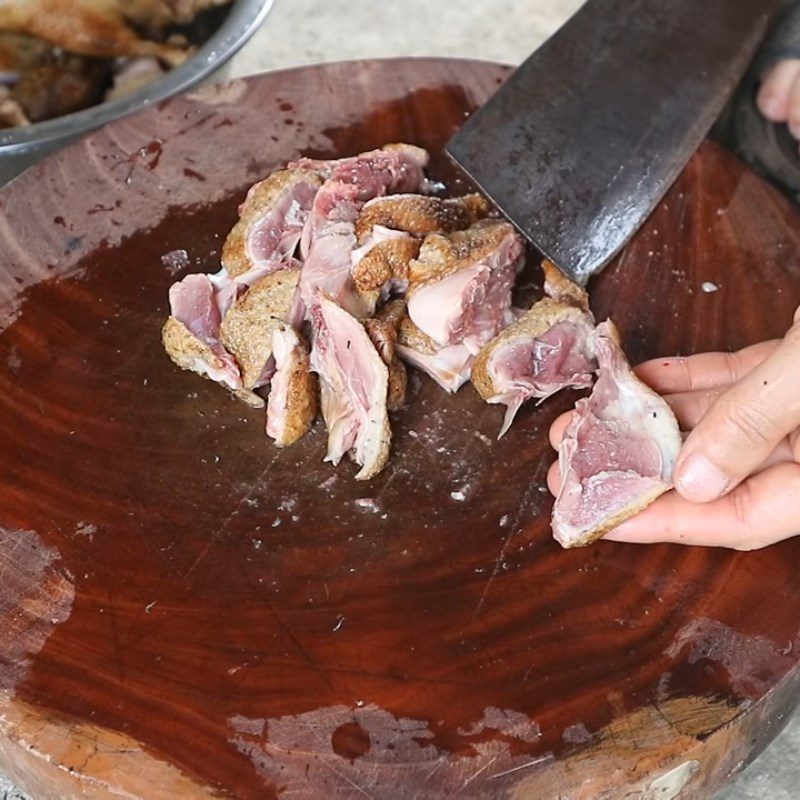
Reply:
x=186, y=611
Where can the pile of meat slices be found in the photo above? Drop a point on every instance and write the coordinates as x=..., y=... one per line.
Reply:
x=339, y=273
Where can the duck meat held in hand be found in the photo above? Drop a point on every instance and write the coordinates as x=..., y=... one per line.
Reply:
x=549, y=348
x=618, y=453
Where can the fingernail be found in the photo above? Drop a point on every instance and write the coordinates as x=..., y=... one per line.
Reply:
x=700, y=481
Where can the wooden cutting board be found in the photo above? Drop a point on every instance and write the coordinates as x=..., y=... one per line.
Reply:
x=186, y=611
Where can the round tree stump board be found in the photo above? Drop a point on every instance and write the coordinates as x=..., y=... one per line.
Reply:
x=188, y=612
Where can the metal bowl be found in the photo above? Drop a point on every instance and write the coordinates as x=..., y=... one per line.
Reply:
x=21, y=147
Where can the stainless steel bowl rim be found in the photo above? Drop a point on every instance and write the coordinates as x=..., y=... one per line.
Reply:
x=242, y=21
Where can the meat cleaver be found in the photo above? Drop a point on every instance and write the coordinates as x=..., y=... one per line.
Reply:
x=582, y=141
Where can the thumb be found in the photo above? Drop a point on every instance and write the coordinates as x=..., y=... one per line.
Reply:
x=743, y=426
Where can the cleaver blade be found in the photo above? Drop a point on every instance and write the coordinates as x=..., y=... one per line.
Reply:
x=578, y=146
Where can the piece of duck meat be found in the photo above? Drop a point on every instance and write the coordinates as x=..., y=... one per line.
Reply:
x=61, y=83
x=559, y=287
x=293, y=395
x=90, y=27
x=450, y=366
x=246, y=330
x=383, y=330
x=379, y=267
x=549, y=348
x=420, y=214
x=132, y=75
x=618, y=453
x=329, y=238
x=353, y=388
x=191, y=335
x=460, y=286
x=389, y=230
x=12, y=114
x=271, y=221
x=389, y=169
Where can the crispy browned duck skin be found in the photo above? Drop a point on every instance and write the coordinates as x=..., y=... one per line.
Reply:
x=260, y=199
x=558, y=286
x=421, y=214
x=383, y=330
x=246, y=332
x=409, y=335
x=299, y=398
x=441, y=255
x=188, y=352
x=387, y=260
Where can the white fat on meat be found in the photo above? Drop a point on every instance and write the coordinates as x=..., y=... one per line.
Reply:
x=618, y=453
x=329, y=238
x=354, y=383
x=464, y=296
x=449, y=366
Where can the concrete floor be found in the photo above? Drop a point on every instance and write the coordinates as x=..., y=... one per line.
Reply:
x=307, y=31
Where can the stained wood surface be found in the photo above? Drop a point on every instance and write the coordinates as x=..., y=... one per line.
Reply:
x=185, y=611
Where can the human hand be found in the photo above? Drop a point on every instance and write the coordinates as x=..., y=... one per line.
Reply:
x=738, y=474
x=778, y=97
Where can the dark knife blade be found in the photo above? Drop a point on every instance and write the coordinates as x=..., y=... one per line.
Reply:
x=586, y=136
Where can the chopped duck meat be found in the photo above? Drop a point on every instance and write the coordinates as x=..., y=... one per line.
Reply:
x=391, y=168
x=354, y=387
x=420, y=215
x=460, y=286
x=380, y=266
x=12, y=114
x=383, y=330
x=449, y=366
x=91, y=27
x=292, y=405
x=558, y=286
x=133, y=75
x=329, y=237
x=191, y=335
x=549, y=348
x=271, y=221
x=618, y=453
x=247, y=329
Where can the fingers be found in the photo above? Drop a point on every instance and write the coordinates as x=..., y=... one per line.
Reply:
x=793, y=115
x=774, y=95
x=554, y=478
x=743, y=426
x=763, y=510
x=785, y=453
x=690, y=407
x=558, y=427
x=704, y=370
